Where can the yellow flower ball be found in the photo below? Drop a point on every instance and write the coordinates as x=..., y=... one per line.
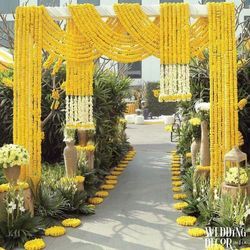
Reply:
x=72, y=222
x=122, y=165
x=111, y=177
x=195, y=121
x=176, y=173
x=216, y=247
x=35, y=244
x=79, y=179
x=188, y=155
x=107, y=187
x=95, y=200
x=124, y=162
x=102, y=194
x=119, y=169
x=177, y=183
x=112, y=182
x=180, y=205
x=175, y=169
x=128, y=158
x=197, y=232
x=55, y=231
x=176, y=189
x=116, y=173
x=179, y=196
x=186, y=220
x=176, y=178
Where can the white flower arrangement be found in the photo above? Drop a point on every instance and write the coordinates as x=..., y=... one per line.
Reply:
x=13, y=155
x=202, y=106
x=235, y=176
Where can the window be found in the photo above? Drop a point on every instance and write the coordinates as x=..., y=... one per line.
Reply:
x=50, y=3
x=7, y=7
x=171, y=1
x=3, y=35
x=247, y=4
x=94, y=2
x=129, y=1
x=132, y=70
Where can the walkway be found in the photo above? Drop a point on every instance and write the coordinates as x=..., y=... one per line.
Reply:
x=138, y=214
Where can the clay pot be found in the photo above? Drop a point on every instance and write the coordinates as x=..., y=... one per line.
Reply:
x=204, y=148
x=70, y=158
x=195, y=147
x=12, y=174
x=82, y=137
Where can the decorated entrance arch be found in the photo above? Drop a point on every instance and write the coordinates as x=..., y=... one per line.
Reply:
x=128, y=36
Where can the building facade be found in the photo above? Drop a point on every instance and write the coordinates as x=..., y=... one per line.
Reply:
x=145, y=71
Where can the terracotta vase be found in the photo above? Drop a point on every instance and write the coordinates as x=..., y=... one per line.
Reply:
x=82, y=137
x=12, y=174
x=195, y=147
x=204, y=148
x=70, y=158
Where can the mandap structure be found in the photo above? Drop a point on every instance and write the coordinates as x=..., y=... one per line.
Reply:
x=126, y=33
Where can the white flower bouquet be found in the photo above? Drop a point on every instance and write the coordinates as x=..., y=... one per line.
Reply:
x=13, y=155
x=235, y=176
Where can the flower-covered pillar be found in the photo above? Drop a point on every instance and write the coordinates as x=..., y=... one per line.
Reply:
x=223, y=85
x=27, y=86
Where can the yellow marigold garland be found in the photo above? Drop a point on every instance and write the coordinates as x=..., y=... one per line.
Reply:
x=179, y=196
x=55, y=231
x=72, y=222
x=197, y=232
x=186, y=220
x=223, y=85
x=174, y=52
x=35, y=244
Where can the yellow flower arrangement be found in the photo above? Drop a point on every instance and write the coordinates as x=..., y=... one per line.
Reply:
x=206, y=168
x=169, y=128
x=111, y=177
x=127, y=158
x=186, y=220
x=76, y=179
x=72, y=222
x=176, y=173
x=107, y=187
x=177, y=183
x=176, y=178
x=179, y=196
x=35, y=244
x=122, y=165
x=124, y=162
x=116, y=173
x=119, y=169
x=197, y=232
x=236, y=175
x=175, y=168
x=102, y=194
x=13, y=155
x=215, y=247
x=111, y=182
x=180, y=205
x=55, y=231
x=188, y=155
x=95, y=200
x=195, y=121
x=20, y=186
x=242, y=103
x=176, y=189
x=79, y=179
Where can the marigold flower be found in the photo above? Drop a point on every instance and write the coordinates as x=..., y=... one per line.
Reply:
x=195, y=121
x=55, y=231
x=102, y=194
x=186, y=220
x=107, y=187
x=35, y=244
x=197, y=232
x=179, y=196
x=95, y=200
x=72, y=222
x=180, y=205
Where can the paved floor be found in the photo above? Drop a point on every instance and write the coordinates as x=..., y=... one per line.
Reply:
x=138, y=214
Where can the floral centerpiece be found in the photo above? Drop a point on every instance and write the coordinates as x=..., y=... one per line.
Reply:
x=11, y=158
x=236, y=176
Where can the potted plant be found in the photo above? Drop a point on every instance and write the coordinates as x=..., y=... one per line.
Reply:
x=12, y=157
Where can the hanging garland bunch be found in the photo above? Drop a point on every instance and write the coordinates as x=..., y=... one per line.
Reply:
x=223, y=86
x=27, y=86
x=174, y=52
